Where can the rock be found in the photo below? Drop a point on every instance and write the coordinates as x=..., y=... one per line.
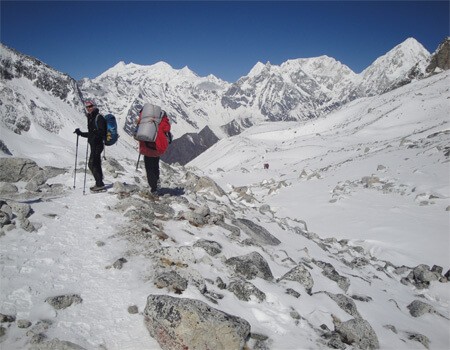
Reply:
x=171, y=280
x=23, y=323
x=419, y=338
x=301, y=275
x=7, y=318
x=418, y=308
x=345, y=303
x=8, y=188
x=64, y=301
x=55, y=344
x=258, y=233
x=22, y=210
x=178, y=323
x=330, y=272
x=250, y=266
x=422, y=273
x=357, y=332
x=16, y=169
x=293, y=292
x=133, y=309
x=211, y=247
x=245, y=290
x=118, y=264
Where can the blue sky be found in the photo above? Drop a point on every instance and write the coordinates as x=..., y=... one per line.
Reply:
x=224, y=38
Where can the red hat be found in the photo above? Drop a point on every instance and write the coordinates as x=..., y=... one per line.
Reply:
x=89, y=103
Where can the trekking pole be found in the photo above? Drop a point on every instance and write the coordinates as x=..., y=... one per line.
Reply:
x=75, y=172
x=85, y=169
x=137, y=164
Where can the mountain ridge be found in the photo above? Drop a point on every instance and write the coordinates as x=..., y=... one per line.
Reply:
x=298, y=89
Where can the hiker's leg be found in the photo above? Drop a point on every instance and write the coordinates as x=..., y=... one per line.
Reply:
x=95, y=164
x=152, y=169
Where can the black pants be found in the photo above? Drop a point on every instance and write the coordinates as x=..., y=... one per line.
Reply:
x=152, y=169
x=95, y=163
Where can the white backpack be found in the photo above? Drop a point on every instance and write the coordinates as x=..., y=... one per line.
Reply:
x=150, y=119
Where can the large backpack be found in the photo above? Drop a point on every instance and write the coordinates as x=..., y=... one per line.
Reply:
x=151, y=116
x=111, y=130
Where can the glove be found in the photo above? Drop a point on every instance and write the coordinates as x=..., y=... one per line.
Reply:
x=77, y=131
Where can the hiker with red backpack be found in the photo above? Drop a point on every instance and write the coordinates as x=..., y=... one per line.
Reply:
x=152, y=130
x=96, y=134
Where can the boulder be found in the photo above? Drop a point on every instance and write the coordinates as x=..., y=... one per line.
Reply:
x=179, y=323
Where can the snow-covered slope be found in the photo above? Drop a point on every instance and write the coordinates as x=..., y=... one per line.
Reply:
x=377, y=171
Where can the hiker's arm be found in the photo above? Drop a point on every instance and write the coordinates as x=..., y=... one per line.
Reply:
x=80, y=133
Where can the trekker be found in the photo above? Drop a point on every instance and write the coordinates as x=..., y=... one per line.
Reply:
x=96, y=134
x=152, y=151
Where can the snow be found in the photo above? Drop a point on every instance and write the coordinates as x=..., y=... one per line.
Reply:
x=392, y=225
x=402, y=217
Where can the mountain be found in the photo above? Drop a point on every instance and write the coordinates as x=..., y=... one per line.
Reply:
x=387, y=69
x=31, y=91
x=341, y=243
x=189, y=146
x=40, y=108
x=36, y=97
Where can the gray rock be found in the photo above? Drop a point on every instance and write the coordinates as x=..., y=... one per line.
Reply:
x=363, y=298
x=56, y=344
x=22, y=210
x=202, y=184
x=357, y=332
x=16, y=169
x=418, y=308
x=301, y=275
x=235, y=231
x=423, y=274
x=133, y=309
x=330, y=272
x=345, y=303
x=118, y=264
x=27, y=225
x=2, y=331
x=64, y=301
x=293, y=292
x=391, y=327
x=37, y=180
x=7, y=318
x=179, y=323
x=23, y=323
x=250, y=266
x=7, y=188
x=171, y=280
x=5, y=219
x=258, y=233
x=419, y=338
x=245, y=290
x=211, y=247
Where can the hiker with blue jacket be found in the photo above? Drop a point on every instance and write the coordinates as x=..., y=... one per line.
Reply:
x=96, y=134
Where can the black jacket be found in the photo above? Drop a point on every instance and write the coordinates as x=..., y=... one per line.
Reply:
x=96, y=128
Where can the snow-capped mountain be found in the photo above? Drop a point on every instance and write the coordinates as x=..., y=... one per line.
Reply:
x=31, y=92
x=191, y=101
x=382, y=74
x=40, y=108
x=37, y=99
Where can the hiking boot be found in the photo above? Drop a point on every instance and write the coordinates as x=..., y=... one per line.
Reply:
x=149, y=195
x=97, y=188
